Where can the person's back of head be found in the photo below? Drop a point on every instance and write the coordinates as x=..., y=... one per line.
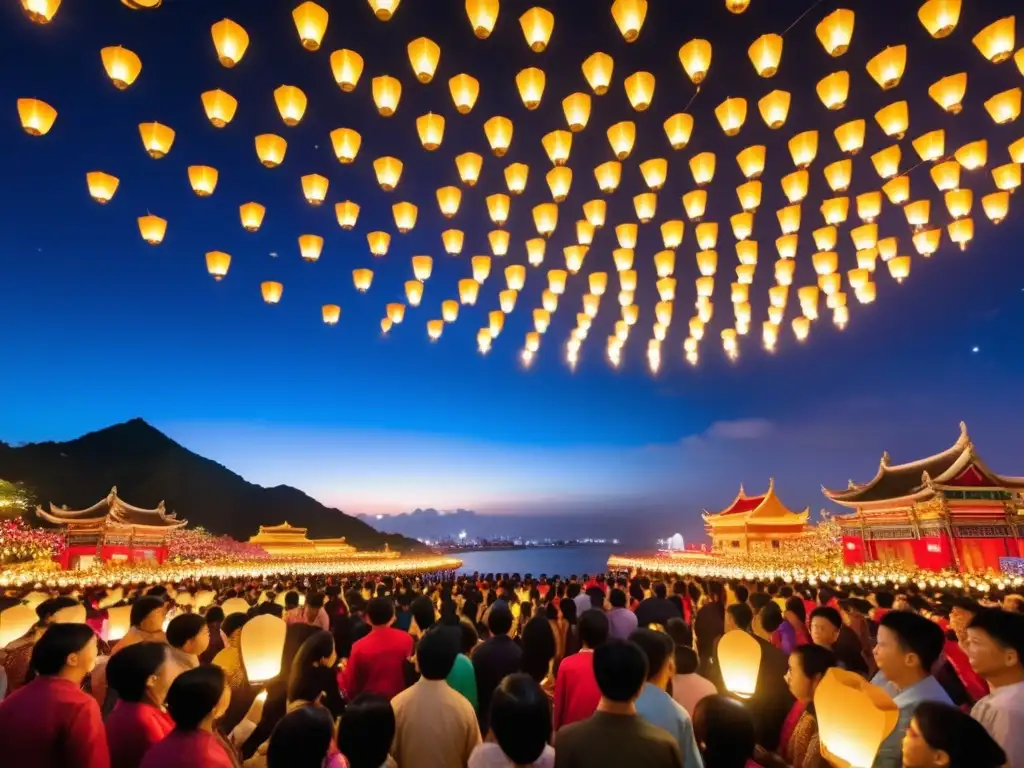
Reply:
x=916, y=634
x=301, y=739
x=660, y=590
x=291, y=600
x=657, y=647
x=539, y=647
x=714, y=590
x=214, y=616
x=742, y=593
x=758, y=600
x=884, y=599
x=796, y=606
x=184, y=627
x=945, y=729
x=143, y=607
x=724, y=730
x=771, y=617
x=194, y=695
x=593, y=628
x=521, y=719
x=305, y=681
x=596, y=595
x=233, y=624
x=620, y=669
x=573, y=590
x=129, y=670
x=380, y=611
x=785, y=591
x=742, y=615
x=500, y=620
x=680, y=632
x=436, y=652
x=60, y=646
x=617, y=598
x=366, y=731
x=422, y=610
x=470, y=638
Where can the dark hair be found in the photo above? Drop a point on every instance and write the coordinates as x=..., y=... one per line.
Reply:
x=521, y=719
x=569, y=612
x=233, y=623
x=620, y=668
x=144, y=606
x=660, y=590
x=884, y=598
x=214, y=615
x=617, y=598
x=291, y=599
x=960, y=736
x=965, y=604
x=742, y=593
x=680, y=632
x=759, y=600
x=469, y=636
x=436, y=652
x=315, y=600
x=301, y=739
x=725, y=730
x=657, y=647
x=366, y=731
x=742, y=614
x=183, y=628
x=51, y=651
x=771, y=617
x=539, y=648
x=304, y=682
x=814, y=659
x=596, y=595
x=916, y=635
x=130, y=668
x=499, y=621
x=828, y=613
x=796, y=606
x=593, y=628
x=46, y=609
x=380, y=611
x=422, y=610
x=194, y=695
x=1006, y=628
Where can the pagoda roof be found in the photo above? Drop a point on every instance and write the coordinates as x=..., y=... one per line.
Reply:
x=284, y=528
x=111, y=511
x=959, y=465
x=766, y=507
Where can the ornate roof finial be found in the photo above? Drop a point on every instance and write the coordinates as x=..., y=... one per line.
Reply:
x=926, y=479
x=771, y=486
x=885, y=459
x=850, y=485
x=743, y=493
x=964, y=437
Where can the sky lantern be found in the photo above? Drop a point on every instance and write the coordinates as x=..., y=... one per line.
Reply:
x=672, y=233
x=834, y=89
x=1007, y=177
x=695, y=56
x=430, y=128
x=897, y=189
x=645, y=206
x=483, y=341
x=469, y=165
x=667, y=288
x=37, y=117
x=663, y=312
x=894, y=119
x=584, y=232
x=556, y=281
x=809, y=296
x=347, y=67
x=545, y=218
x=496, y=323
x=863, y=237
x=996, y=205
x=737, y=6
x=830, y=285
x=251, y=215
x=745, y=274
x=498, y=206
x=385, y=325
x=665, y=263
x=926, y=241
x=347, y=213
x=838, y=174
x=825, y=238
x=778, y=297
x=918, y=213
x=152, y=228
x=869, y=205
x=387, y=92
x=751, y=161
x=940, y=17
x=629, y=17
x=887, y=67
x=346, y=143
x=541, y=320
x=1004, y=107
x=679, y=129
x=946, y=175
x=331, y=314
x=598, y=283
x=774, y=108
x=973, y=155
x=608, y=176
x=291, y=103
x=841, y=316
x=270, y=289
x=996, y=41
x=535, y=248
x=787, y=244
x=516, y=175
x=310, y=247
x=707, y=263
x=705, y=286
x=576, y=107
x=362, y=279
x=311, y=24
x=888, y=247
x=742, y=225
x=695, y=204
x=866, y=258
x=640, y=90
x=621, y=137
x=835, y=210
x=626, y=234
x=230, y=40
x=1018, y=58
x=515, y=277
x=707, y=235
x=156, y=139
x=574, y=256
x=481, y=266
x=887, y=161
x=855, y=717
x=557, y=144
x=435, y=328
x=530, y=82
x=450, y=310
x=499, y=240
x=804, y=148
x=739, y=293
x=769, y=335
x=449, y=200
x=731, y=114
x=413, y=292
x=270, y=148
x=405, y=216
x=949, y=92
x=395, y=312
x=422, y=267
x=789, y=219
x=314, y=188
x=801, y=329
x=961, y=232
x=765, y=54
x=499, y=134
x=749, y=195
x=784, y=269
x=378, y=242
x=388, y=171
x=835, y=31
x=464, y=89
x=899, y=268
x=702, y=167
x=453, y=240
x=384, y=9
x=746, y=252
x=424, y=54
x=39, y=12
x=220, y=107
x=597, y=69
x=654, y=172
x=696, y=328
x=537, y=25
x=930, y=146
x=595, y=211
x=559, y=182
x=122, y=66
x=850, y=136
x=958, y=202
x=203, y=179
x=483, y=14
x=1017, y=150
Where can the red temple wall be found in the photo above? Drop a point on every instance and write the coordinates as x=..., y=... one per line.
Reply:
x=107, y=553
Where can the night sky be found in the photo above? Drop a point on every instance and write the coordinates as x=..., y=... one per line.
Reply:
x=97, y=326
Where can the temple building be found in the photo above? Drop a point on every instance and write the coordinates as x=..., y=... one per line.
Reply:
x=754, y=524
x=112, y=531
x=945, y=511
x=289, y=541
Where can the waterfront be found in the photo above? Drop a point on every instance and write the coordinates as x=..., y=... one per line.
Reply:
x=548, y=560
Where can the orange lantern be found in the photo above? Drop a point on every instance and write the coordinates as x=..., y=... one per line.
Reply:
x=949, y=92
x=559, y=182
x=850, y=136
x=405, y=216
x=623, y=258
x=595, y=212
x=608, y=176
x=702, y=167
x=869, y=205
x=787, y=245
x=362, y=279
x=940, y=17
x=887, y=161
x=654, y=171
x=537, y=25
x=894, y=119
x=996, y=205
x=347, y=213
x=695, y=56
x=464, y=89
x=672, y=233
x=122, y=66
x=413, y=292
x=346, y=143
x=629, y=17
x=469, y=290
x=1004, y=107
x=576, y=107
x=789, y=219
x=388, y=171
x=331, y=314
x=961, y=232
x=387, y=92
x=834, y=89
x=855, y=718
x=535, y=248
x=972, y=156
x=545, y=218
x=230, y=40
x=499, y=240
x=270, y=290
x=887, y=67
x=37, y=117
x=395, y=312
x=765, y=54
x=516, y=175
x=530, y=83
x=784, y=269
x=347, y=67
x=422, y=267
x=220, y=107
x=314, y=187
x=156, y=139
x=424, y=54
x=774, y=108
x=453, y=240
x=379, y=242
x=498, y=206
x=311, y=23
x=825, y=238
x=751, y=161
x=597, y=69
x=930, y=146
x=310, y=247
x=645, y=206
x=203, y=179
x=430, y=128
x=640, y=90
x=291, y=104
x=574, y=255
x=626, y=234
x=679, y=128
x=838, y=175
x=251, y=215
x=38, y=12
x=835, y=210
x=749, y=195
x=469, y=165
x=731, y=114
x=927, y=241
x=742, y=225
x=483, y=14
x=499, y=134
x=622, y=136
x=746, y=252
x=695, y=203
x=958, y=202
x=946, y=175
x=804, y=148
x=1007, y=177
x=557, y=144
x=152, y=228
x=996, y=41
x=835, y=31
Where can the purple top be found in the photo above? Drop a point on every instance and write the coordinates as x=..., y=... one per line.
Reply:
x=621, y=623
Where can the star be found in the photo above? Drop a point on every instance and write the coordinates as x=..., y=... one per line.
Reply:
x=975, y=350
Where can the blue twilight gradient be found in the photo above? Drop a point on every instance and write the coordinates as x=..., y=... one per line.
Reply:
x=98, y=327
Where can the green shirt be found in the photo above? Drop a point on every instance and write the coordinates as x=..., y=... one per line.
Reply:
x=462, y=678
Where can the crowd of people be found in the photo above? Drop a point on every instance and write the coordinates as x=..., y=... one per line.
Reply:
x=499, y=671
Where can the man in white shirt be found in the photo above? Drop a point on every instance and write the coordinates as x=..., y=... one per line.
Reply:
x=995, y=647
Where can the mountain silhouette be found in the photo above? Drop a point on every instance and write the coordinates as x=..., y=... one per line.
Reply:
x=149, y=467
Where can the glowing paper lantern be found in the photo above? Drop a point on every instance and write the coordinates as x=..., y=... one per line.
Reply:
x=608, y=176
x=784, y=269
x=395, y=312
x=537, y=25
x=388, y=171
x=927, y=241
x=1017, y=151
x=946, y=175
x=559, y=182
x=626, y=234
x=387, y=92
x=220, y=107
x=949, y=92
x=576, y=107
x=672, y=233
x=958, y=202
x=887, y=67
x=695, y=56
x=434, y=329
x=835, y=210
x=789, y=219
x=894, y=119
x=484, y=337
x=804, y=148
x=749, y=195
x=961, y=232
x=850, y=136
x=595, y=212
x=996, y=41
x=499, y=134
x=695, y=203
x=347, y=213
x=424, y=54
x=37, y=117
x=801, y=329
x=597, y=69
x=270, y=290
x=545, y=218
x=940, y=17
x=156, y=139
x=1004, y=107
x=679, y=128
x=746, y=252
x=422, y=266
x=825, y=262
x=887, y=161
x=310, y=247
x=430, y=128
x=705, y=288
x=707, y=263
x=972, y=156
x=731, y=114
x=751, y=161
x=291, y=104
x=899, y=268
x=102, y=186
x=834, y=89
x=640, y=90
x=469, y=165
x=1007, y=177
x=405, y=216
x=314, y=188
x=742, y=225
x=825, y=238
x=787, y=245
x=39, y=12
x=830, y=285
x=152, y=228
x=622, y=136
x=507, y=301
x=230, y=40
x=346, y=143
x=331, y=314
x=122, y=66
x=838, y=175
x=702, y=167
x=745, y=274
x=413, y=292
x=557, y=144
x=464, y=89
x=378, y=242
x=556, y=281
x=930, y=146
x=835, y=31
x=311, y=24
x=362, y=279
x=869, y=206
x=498, y=207
x=453, y=240
x=897, y=189
x=1019, y=60
x=863, y=237
x=499, y=240
x=774, y=108
x=996, y=205
x=629, y=17
x=854, y=717
x=347, y=67
x=765, y=54
x=469, y=290
x=530, y=83
x=645, y=206
x=598, y=283
x=483, y=14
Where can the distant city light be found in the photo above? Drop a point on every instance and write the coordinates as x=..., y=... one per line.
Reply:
x=380, y=517
x=462, y=535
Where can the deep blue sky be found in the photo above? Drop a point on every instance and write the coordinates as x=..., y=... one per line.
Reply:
x=98, y=327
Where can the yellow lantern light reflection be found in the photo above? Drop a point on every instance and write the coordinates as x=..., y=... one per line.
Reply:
x=608, y=176
x=347, y=213
x=695, y=56
x=230, y=40
x=465, y=90
x=362, y=279
x=576, y=107
x=122, y=66
x=158, y=138
x=835, y=31
x=629, y=17
x=535, y=248
x=804, y=148
x=894, y=119
x=949, y=92
x=679, y=129
x=379, y=242
x=597, y=69
x=972, y=156
x=530, y=82
x=483, y=14
x=311, y=24
x=37, y=117
x=384, y=9
x=102, y=186
x=559, y=182
x=640, y=90
x=887, y=67
x=424, y=55
x=291, y=104
x=152, y=228
x=774, y=108
x=310, y=247
x=405, y=216
x=448, y=200
x=997, y=41
x=347, y=68
x=387, y=92
x=731, y=114
x=1004, y=107
x=854, y=717
x=430, y=128
x=765, y=54
x=996, y=205
x=270, y=290
x=499, y=134
x=469, y=165
x=940, y=17
x=499, y=240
